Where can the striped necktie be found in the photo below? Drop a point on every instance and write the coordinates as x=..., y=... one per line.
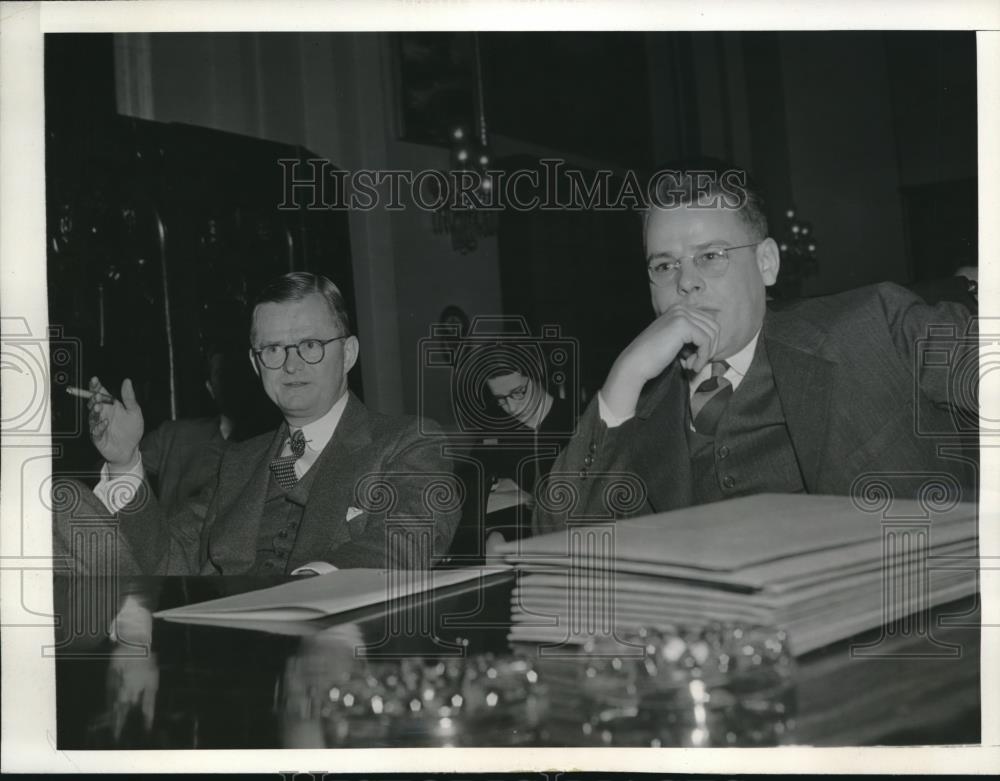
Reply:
x=283, y=467
x=710, y=399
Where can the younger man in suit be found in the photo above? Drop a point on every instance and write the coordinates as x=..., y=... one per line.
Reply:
x=335, y=486
x=719, y=398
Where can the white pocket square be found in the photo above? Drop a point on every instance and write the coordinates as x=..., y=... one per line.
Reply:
x=353, y=512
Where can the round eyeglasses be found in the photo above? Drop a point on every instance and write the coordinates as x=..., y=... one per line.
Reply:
x=711, y=262
x=273, y=356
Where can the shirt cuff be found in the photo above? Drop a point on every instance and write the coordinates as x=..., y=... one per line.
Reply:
x=611, y=420
x=116, y=493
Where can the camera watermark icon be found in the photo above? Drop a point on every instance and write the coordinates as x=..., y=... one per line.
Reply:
x=31, y=365
x=952, y=362
x=498, y=347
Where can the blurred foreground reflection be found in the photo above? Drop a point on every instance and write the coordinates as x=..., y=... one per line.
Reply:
x=721, y=685
x=332, y=696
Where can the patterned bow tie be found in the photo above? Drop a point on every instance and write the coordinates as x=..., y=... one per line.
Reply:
x=283, y=467
x=709, y=400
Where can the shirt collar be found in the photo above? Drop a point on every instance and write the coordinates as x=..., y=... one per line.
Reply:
x=740, y=363
x=319, y=432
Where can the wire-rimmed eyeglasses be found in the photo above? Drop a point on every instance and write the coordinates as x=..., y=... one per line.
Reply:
x=710, y=262
x=273, y=356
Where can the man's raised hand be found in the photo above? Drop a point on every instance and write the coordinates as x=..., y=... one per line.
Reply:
x=115, y=426
x=654, y=349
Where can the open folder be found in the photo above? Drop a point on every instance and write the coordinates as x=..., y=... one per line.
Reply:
x=326, y=595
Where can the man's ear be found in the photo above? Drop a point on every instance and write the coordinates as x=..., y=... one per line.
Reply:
x=351, y=349
x=768, y=261
x=253, y=362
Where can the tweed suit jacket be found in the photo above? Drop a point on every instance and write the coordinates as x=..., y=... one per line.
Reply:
x=383, y=496
x=861, y=402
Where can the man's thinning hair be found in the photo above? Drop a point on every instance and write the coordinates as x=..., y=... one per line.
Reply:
x=296, y=286
x=706, y=181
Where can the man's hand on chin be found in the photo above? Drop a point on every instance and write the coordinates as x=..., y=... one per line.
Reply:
x=654, y=349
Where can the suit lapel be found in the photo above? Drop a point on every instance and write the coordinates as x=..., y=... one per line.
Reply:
x=233, y=538
x=324, y=522
x=661, y=453
x=804, y=384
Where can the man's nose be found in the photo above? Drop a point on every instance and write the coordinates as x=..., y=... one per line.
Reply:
x=293, y=361
x=690, y=279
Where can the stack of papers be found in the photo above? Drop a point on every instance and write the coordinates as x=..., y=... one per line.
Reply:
x=816, y=566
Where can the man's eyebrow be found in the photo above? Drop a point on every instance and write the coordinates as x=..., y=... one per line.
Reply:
x=265, y=345
x=702, y=245
x=297, y=341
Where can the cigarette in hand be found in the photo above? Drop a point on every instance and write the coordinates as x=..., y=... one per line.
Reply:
x=86, y=394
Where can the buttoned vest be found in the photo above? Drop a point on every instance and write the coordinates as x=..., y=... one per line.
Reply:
x=751, y=452
x=280, y=522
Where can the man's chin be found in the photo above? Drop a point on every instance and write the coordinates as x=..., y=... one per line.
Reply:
x=295, y=401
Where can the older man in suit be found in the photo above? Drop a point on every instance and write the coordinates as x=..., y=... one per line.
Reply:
x=335, y=486
x=719, y=398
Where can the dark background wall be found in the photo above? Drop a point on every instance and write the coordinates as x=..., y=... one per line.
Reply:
x=869, y=135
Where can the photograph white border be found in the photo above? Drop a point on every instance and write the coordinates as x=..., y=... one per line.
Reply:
x=28, y=724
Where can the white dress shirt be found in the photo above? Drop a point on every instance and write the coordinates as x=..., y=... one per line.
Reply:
x=739, y=364
x=317, y=435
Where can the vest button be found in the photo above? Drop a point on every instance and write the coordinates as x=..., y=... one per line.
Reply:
x=729, y=481
x=593, y=447
x=723, y=452
x=583, y=474
x=588, y=460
